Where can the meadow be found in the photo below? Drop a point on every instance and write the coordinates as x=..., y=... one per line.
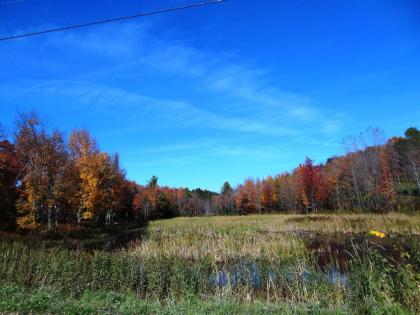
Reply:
x=267, y=264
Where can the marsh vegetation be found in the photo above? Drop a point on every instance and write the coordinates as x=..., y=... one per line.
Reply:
x=251, y=264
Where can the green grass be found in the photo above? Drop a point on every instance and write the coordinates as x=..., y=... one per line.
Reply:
x=19, y=300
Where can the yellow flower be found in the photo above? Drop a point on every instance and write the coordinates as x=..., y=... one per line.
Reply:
x=377, y=233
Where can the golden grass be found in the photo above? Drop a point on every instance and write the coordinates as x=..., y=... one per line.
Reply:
x=273, y=237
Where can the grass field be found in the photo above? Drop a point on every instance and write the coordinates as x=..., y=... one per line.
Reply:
x=257, y=236
x=23, y=301
x=268, y=264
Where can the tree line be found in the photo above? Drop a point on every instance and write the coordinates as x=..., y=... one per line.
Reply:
x=377, y=177
x=47, y=180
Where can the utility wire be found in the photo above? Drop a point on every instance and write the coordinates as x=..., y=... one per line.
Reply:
x=128, y=17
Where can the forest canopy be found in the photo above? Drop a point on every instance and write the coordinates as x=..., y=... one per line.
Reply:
x=47, y=180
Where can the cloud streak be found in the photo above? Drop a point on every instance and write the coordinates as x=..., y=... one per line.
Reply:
x=173, y=111
x=250, y=102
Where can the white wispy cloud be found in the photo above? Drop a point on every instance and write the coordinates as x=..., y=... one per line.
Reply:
x=245, y=99
x=174, y=111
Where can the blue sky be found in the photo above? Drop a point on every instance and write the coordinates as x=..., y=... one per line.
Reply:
x=226, y=92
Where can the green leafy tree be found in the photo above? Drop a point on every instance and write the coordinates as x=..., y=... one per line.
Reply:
x=408, y=151
x=163, y=206
x=9, y=172
x=226, y=189
x=228, y=198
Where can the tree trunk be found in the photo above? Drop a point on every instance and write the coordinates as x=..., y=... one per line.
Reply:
x=49, y=217
x=79, y=216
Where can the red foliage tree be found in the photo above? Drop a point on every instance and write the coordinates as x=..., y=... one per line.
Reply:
x=312, y=185
x=387, y=187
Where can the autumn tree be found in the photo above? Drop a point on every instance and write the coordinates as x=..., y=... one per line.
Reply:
x=387, y=185
x=246, y=197
x=97, y=177
x=336, y=183
x=127, y=213
x=364, y=158
x=268, y=198
x=312, y=186
x=287, y=190
x=183, y=196
x=43, y=159
x=137, y=204
x=56, y=163
x=113, y=186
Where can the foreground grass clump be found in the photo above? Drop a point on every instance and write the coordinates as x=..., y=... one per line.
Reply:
x=26, y=301
x=159, y=277
x=205, y=265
